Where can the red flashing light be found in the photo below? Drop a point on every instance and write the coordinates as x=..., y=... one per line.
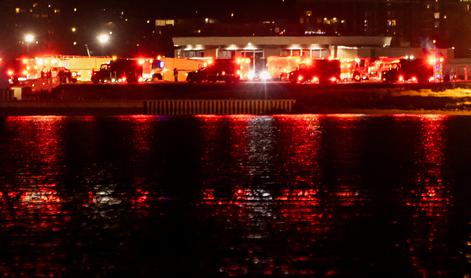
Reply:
x=300, y=78
x=401, y=78
x=333, y=79
x=315, y=79
x=10, y=72
x=141, y=61
x=414, y=79
x=431, y=79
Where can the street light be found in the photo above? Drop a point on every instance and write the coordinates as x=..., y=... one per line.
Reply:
x=103, y=38
x=29, y=39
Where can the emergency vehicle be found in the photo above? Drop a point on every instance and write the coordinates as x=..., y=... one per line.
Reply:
x=79, y=67
x=224, y=70
x=279, y=68
x=354, y=69
x=119, y=70
x=414, y=70
x=152, y=69
x=321, y=71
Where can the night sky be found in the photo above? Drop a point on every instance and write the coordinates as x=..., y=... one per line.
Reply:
x=188, y=7
x=258, y=8
x=133, y=21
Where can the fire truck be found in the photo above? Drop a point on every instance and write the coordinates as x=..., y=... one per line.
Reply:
x=73, y=68
x=321, y=71
x=224, y=70
x=279, y=67
x=354, y=69
x=414, y=70
x=152, y=69
x=119, y=70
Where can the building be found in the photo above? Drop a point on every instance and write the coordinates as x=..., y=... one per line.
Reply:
x=259, y=48
x=417, y=23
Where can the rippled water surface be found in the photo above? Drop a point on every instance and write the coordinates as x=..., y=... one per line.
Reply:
x=290, y=196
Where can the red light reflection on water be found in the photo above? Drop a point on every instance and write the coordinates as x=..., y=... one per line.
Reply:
x=39, y=137
x=299, y=195
x=47, y=203
x=431, y=195
x=429, y=198
x=35, y=199
x=301, y=136
x=345, y=156
x=141, y=199
x=138, y=118
x=252, y=208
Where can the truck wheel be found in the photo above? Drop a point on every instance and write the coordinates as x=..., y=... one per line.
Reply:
x=357, y=77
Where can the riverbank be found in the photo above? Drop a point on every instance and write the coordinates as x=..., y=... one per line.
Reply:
x=87, y=99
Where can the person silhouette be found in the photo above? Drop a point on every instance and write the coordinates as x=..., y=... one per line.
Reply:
x=175, y=74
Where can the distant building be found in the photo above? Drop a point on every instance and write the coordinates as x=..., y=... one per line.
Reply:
x=313, y=46
x=412, y=22
x=259, y=48
x=71, y=27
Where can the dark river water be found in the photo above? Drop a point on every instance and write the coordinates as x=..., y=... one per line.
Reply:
x=283, y=196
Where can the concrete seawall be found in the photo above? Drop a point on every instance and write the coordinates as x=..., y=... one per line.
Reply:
x=274, y=90
x=244, y=98
x=218, y=106
x=71, y=108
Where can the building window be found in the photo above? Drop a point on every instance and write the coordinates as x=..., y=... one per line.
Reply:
x=165, y=22
x=192, y=53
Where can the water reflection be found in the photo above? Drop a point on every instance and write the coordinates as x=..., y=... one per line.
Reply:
x=280, y=184
x=38, y=143
x=289, y=195
x=429, y=199
x=341, y=158
x=32, y=206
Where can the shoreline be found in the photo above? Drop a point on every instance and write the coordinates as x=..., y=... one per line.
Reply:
x=137, y=108
x=369, y=99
